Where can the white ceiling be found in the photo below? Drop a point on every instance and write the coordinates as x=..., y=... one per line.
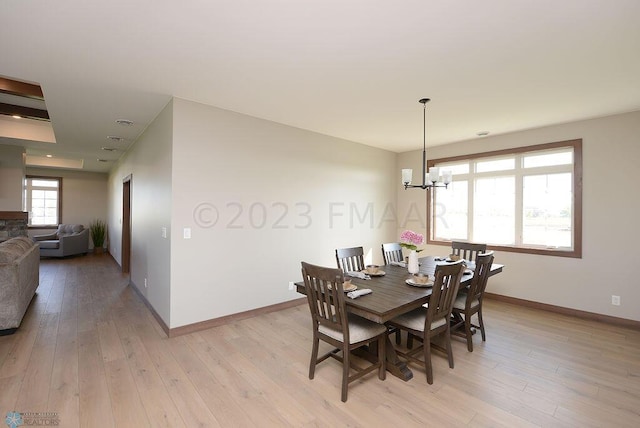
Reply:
x=353, y=69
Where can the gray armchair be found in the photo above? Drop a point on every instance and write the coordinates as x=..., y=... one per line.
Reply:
x=68, y=240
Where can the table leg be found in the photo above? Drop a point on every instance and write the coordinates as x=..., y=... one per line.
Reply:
x=394, y=365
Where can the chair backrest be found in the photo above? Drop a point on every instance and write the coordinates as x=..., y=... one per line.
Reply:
x=350, y=259
x=444, y=291
x=467, y=250
x=391, y=252
x=325, y=295
x=480, y=277
x=69, y=229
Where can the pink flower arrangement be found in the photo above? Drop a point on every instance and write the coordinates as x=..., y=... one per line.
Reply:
x=410, y=240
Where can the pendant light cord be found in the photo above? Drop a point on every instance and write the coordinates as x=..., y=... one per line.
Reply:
x=424, y=102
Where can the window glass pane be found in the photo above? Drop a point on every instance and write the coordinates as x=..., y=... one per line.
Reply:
x=451, y=211
x=547, y=210
x=547, y=159
x=44, y=183
x=50, y=212
x=37, y=194
x=494, y=210
x=38, y=221
x=495, y=165
x=457, y=168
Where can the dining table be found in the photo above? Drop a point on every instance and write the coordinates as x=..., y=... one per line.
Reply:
x=392, y=295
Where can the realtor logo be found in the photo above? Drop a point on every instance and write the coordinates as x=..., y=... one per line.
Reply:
x=13, y=419
x=17, y=419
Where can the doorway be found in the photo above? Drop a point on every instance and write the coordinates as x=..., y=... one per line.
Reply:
x=126, y=224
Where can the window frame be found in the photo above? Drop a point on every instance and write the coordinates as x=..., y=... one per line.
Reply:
x=576, y=144
x=27, y=199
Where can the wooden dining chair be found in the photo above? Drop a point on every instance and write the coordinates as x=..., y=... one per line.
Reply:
x=427, y=323
x=392, y=252
x=469, y=300
x=341, y=329
x=350, y=259
x=467, y=250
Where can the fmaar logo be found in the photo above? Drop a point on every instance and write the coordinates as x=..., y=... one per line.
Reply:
x=13, y=419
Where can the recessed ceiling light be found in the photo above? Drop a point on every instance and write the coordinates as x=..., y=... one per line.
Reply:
x=482, y=133
x=109, y=149
x=115, y=138
x=124, y=122
x=49, y=156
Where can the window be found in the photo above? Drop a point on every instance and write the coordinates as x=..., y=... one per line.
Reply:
x=43, y=197
x=527, y=199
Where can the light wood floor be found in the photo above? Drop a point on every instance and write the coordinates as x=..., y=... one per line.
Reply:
x=90, y=351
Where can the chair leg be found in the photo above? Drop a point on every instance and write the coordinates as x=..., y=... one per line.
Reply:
x=345, y=371
x=314, y=357
x=449, y=350
x=382, y=357
x=427, y=359
x=409, y=340
x=467, y=332
x=398, y=336
x=481, y=324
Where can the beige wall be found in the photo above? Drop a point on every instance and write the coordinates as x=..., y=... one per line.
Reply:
x=148, y=162
x=12, y=172
x=611, y=151
x=259, y=197
x=281, y=195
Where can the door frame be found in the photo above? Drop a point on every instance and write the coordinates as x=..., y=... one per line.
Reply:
x=126, y=224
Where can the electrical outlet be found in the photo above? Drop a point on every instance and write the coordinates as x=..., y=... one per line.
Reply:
x=145, y=283
x=615, y=300
x=291, y=286
x=187, y=233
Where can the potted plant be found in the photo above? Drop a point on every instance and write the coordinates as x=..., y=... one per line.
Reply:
x=98, y=230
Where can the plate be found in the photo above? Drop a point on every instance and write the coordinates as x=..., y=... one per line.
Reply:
x=352, y=287
x=410, y=281
x=379, y=273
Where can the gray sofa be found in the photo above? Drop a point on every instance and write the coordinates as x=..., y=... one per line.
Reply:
x=68, y=240
x=19, y=278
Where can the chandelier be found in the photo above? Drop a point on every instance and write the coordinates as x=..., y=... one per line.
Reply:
x=433, y=177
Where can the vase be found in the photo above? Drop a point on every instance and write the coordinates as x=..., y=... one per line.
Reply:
x=413, y=265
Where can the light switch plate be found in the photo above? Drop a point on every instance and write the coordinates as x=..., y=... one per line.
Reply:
x=187, y=233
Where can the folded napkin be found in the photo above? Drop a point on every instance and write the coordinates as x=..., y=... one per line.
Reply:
x=358, y=275
x=358, y=293
x=401, y=264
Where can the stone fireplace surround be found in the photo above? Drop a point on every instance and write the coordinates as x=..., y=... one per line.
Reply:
x=12, y=224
